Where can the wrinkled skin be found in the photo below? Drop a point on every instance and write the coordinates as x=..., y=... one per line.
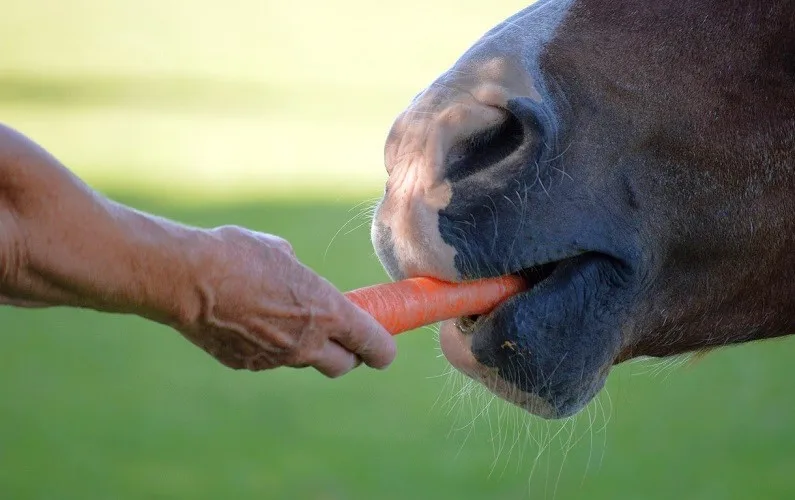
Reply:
x=637, y=162
x=263, y=309
x=240, y=295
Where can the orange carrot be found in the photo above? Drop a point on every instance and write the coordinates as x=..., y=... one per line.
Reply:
x=411, y=303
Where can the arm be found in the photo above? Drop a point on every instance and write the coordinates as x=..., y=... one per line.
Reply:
x=240, y=295
x=64, y=244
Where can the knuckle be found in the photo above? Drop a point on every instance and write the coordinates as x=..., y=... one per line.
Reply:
x=228, y=231
x=285, y=251
x=300, y=357
x=284, y=245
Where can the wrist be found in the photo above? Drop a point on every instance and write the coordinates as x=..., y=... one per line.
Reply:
x=117, y=260
x=169, y=262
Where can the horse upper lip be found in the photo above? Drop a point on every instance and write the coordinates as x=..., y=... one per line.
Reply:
x=536, y=274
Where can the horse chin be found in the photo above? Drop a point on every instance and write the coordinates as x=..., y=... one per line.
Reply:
x=457, y=348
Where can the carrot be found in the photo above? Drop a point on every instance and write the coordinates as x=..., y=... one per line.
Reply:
x=411, y=303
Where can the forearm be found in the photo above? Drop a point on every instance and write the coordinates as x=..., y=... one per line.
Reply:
x=61, y=243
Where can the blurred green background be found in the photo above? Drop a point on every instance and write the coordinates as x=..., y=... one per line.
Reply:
x=273, y=115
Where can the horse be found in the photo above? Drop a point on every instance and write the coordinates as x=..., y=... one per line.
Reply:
x=633, y=161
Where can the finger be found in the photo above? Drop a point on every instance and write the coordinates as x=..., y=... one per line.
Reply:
x=334, y=360
x=366, y=338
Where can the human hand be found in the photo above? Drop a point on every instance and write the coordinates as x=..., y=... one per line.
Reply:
x=259, y=308
x=240, y=295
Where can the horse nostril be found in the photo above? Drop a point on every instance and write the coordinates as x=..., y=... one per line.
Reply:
x=484, y=149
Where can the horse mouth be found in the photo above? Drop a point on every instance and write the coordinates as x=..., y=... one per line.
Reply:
x=533, y=277
x=550, y=348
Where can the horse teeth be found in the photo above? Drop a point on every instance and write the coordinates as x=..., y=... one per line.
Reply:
x=466, y=324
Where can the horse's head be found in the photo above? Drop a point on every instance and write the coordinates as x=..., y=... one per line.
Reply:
x=635, y=162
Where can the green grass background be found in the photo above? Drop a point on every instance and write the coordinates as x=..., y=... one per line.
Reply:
x=272, y=115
